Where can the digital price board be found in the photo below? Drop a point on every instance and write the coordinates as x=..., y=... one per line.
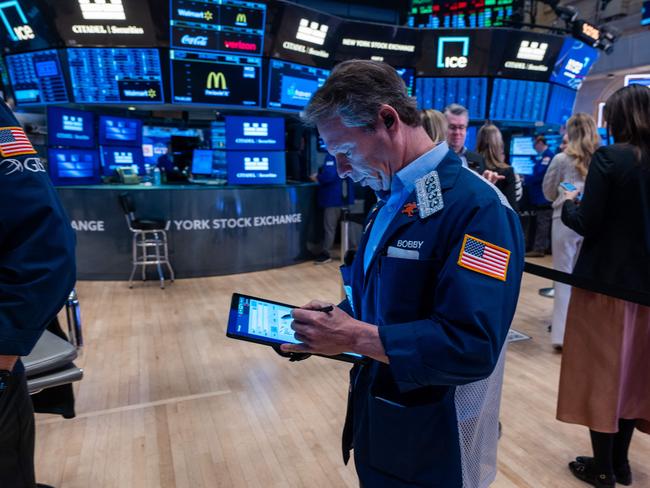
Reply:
x=518, y=100
x=437, y=93
x=215, y=79
x=291, y=85
x=119, y=75
x=436, y=14
x=37, y=78
x=227, y=26
x=573, y=63
x=560, y=105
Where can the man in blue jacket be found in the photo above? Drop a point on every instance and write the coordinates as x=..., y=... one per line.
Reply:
x=37, y=272
x=431, y=292
x=543, y=210
x=333, y=194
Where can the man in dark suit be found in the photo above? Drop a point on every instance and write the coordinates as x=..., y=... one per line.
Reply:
x=457, y=123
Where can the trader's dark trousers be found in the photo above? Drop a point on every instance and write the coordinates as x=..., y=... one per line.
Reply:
x=16, y=435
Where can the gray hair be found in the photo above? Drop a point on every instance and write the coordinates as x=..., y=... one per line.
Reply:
x=355, y=90
x=456, y=109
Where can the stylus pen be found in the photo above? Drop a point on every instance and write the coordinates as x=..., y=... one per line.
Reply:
x=327, y=309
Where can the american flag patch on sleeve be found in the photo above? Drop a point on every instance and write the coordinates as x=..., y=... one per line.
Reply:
x=14, y=142
x=484, y=258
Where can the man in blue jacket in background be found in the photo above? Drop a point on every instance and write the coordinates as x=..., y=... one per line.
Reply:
x=431, y=293
x=543, y=210
x=37, y=272
x=333, y=194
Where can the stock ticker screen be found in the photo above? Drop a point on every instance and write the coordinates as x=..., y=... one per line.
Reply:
x=434, y=14
x=518, y=100
x=560, y=105
x=291, y=85
x=227, y=26
x=439, y=92
x=37, y=78
x=120, y=75
x=218, y=79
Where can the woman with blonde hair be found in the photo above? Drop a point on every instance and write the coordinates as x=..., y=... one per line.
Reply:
x=489, y=144
x=569, y=167
x=435, y=124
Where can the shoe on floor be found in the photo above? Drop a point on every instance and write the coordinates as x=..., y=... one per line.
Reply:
x=322, y=258
x=534, y=254
x=622, y=474
x=586, y=472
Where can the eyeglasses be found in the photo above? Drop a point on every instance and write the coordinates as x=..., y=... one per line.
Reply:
x=457, y=127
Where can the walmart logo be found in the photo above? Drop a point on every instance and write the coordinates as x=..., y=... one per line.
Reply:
x=456, y=59
x=151, y=93
x=207, y=15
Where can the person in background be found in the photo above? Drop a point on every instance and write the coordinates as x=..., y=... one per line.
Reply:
x=429, y=386
x=490, y=146
x=37, y=272
x=457, y=123
x=571, y=167
x=605, y=369
x=166, y=161
x=435, y=124
x=563, y=144
x=543, y=210
x=333, y=194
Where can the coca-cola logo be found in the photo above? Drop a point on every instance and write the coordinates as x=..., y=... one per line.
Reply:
x=194, y=40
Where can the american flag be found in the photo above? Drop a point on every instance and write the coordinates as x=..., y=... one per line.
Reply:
x=14, y=142
x=483, y=257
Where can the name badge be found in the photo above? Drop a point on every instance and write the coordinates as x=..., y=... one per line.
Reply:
x=396, y=252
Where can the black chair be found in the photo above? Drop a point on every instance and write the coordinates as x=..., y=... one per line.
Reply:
x=148, y=235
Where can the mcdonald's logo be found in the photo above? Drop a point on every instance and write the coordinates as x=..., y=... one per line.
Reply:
x=241, y=19
x=216, y=80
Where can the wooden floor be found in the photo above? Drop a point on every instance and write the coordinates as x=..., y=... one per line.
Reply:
x=167, y=401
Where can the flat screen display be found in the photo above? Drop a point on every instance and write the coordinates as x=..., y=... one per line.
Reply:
x=202, y=161
x=391, y=44
x=522, y=146
x=291, y=85
x=525, y=55
x=71, y=128
x=226, y=26
x=523, y=165
x=573, y=63
x=560, y=105
x=643, y=80
x=156, y=139
x=25, y=26
x=73, y=166
x=458, y=14
x=119, y=131
x=122, y=157
x=119, y=75
x=215, y=79
x=458, y=53
x=645, y=12
x=439, y=92
x=37, y=78
x=518, y=100
x=256, y=133
x=256, y=167
x=104, y=22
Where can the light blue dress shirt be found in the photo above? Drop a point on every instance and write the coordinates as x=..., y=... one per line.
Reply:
x=401, y=186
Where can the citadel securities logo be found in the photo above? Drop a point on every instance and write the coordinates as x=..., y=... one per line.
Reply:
x=256, y=129
x=256, y=164
x=102, y=9
x=454, y=61
x=532, y=50
x=72, y=123
x=312, y=32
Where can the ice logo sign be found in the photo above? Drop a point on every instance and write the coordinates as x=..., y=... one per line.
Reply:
x=256, y=129
x=12, y=10
x=444, y=60
x=72, y=123
x=102, y=9
x=312, y=32
x=256, y=164
x=532, y=50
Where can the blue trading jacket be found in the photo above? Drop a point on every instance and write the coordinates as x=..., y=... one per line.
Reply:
x=37, y=266
x=430, y=417
x=534, y=181
x=330, y=186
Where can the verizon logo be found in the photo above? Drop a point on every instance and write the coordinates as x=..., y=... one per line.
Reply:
x=256, y=129
x=312, y=32
x=532, y=50
x=102, y=9
x=256, y=164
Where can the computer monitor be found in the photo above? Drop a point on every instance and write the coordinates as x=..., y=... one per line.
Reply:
x=119, y=131
x=291, y=85
x=522, y=146
x=522, y=165
x=256, y=167
x=70, y=128
x=37, y=78
x=114, y=157
x=202, y=162
x=254, y=133
x=73, y=166
x=155, y=140
x=519, y=100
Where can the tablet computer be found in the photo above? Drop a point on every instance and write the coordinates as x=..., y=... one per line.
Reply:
x=263, y=322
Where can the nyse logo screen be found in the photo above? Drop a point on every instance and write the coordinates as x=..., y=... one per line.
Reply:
x=453, y=53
